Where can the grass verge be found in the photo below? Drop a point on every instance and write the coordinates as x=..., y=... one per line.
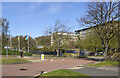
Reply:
x=13, y=61
x=8, y=55
x=62, y=73
x=106, y=63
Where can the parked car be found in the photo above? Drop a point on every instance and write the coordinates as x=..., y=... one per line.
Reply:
x=92, y=53
x=100, y=53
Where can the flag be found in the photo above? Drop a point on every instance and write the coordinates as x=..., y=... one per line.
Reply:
x=18, y=38
x=10, y=38
x=26, y=38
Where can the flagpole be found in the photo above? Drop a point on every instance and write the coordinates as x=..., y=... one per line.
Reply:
x=28, y=44
x=19, y=43
x=10, y=42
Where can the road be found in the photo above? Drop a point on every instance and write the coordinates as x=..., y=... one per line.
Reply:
x=99, y=72
x=35, y=68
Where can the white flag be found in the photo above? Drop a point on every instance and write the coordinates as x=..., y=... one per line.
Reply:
x=18, y=38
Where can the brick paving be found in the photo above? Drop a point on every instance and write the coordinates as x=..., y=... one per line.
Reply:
x=35, y=68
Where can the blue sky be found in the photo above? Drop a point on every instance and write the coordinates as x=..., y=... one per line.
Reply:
x=33, y=18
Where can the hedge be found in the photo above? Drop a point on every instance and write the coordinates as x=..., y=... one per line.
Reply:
x=11, y=52
x=27, y=54
x=15, y=52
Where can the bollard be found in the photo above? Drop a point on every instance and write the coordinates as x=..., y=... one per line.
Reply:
x=51, y=59
x=42, y=56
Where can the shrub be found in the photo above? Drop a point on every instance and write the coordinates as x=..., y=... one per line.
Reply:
x=82, y=56
x=10, y=52
x=27, y=54
x=15, y=52
x=63, y=55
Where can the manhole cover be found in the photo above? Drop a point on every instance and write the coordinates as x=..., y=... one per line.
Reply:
x=24, y=69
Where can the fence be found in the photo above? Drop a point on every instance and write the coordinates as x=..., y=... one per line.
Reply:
x=44, y=52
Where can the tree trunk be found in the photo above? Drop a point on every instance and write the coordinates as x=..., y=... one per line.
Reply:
x=58, y=53
x=105, y=51
x=58, y=49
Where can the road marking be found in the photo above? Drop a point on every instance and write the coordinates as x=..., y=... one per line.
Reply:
x=80, y=65
x=38, y=60
x=37, y=75
x=76, y=68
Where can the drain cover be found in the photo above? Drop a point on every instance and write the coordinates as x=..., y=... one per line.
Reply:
x=24, y=69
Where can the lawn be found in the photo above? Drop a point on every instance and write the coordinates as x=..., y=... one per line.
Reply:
x=8, y=55
x=13, y=61
x=63, y=73
x=50, y=56
x=106, y=63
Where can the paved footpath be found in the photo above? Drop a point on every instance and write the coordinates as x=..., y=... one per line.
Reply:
x=99, y=72
x=35, y=68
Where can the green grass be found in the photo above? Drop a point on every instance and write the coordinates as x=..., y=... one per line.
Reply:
x=63, y=72
x=106, y=63
x=8, y=55
x=13, y=61
x=50, y=56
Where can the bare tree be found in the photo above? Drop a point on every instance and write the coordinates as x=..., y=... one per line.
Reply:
x=103, y=17
x=57, y=34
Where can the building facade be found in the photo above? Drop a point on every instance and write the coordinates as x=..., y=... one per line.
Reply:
x=80, y=34
x=67, y=36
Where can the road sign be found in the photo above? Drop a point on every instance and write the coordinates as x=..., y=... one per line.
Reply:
x=6, y=47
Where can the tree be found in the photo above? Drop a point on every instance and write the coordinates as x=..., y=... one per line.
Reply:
x=60, y=28
x=15, y=42
x=92, y=42
x=43, y=40
x=5, y=30
x=23, y=42
x=103, y=15
x=32, y=42
x=114, y=42
x=68, y=43
x=80, y=43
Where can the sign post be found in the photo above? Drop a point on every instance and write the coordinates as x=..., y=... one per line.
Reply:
x=7, y=52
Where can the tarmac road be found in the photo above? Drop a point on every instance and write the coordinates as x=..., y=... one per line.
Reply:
x=99, y=72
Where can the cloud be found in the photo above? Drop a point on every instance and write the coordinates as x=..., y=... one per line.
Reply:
x=35, y=5
x=54, y=8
